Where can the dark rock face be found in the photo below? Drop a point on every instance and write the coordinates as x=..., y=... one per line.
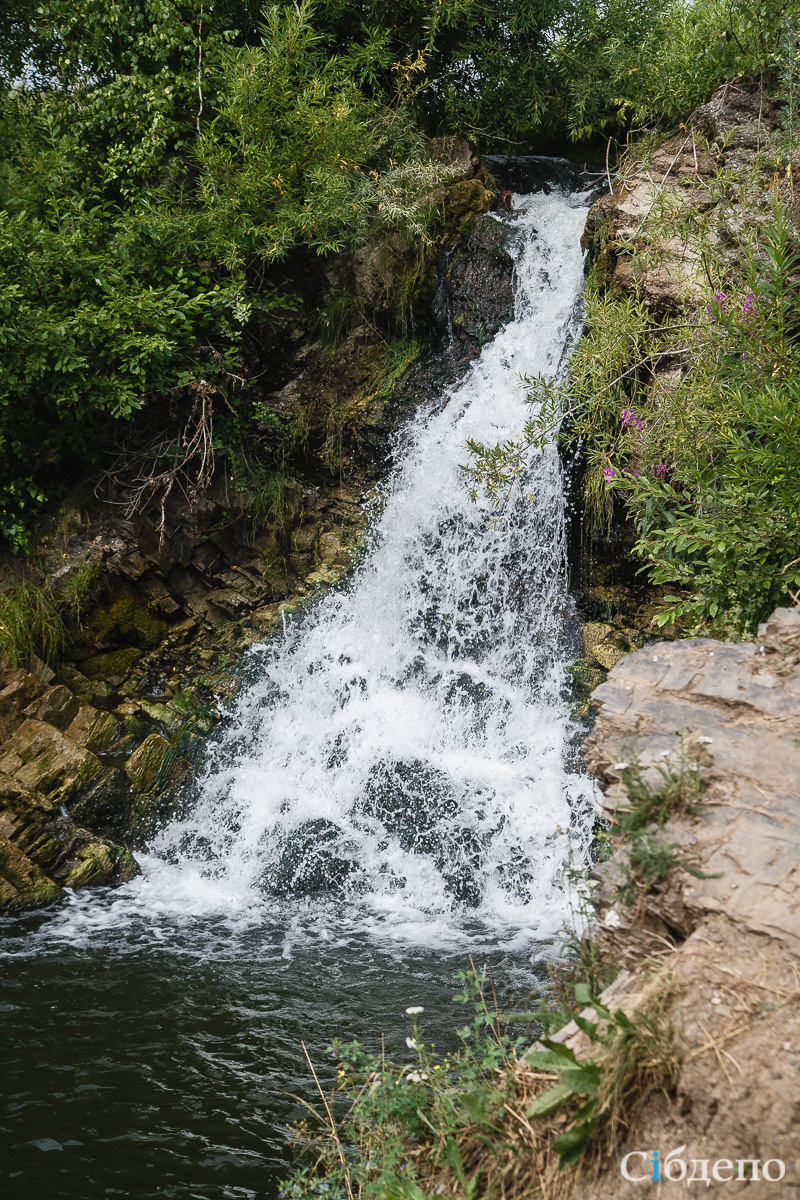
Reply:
x=42, y=851
x=534, y=172
x=476, y=295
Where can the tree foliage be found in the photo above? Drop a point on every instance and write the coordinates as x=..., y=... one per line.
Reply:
x=160, y=159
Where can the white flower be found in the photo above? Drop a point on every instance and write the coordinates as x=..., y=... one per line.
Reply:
x=412, y=1045
x=621, y=766
x=414, y=1077
x=612, y=919
x=414, y=1010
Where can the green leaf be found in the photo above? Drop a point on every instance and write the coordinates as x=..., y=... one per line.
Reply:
x=477, y=1110
x=550, y=1101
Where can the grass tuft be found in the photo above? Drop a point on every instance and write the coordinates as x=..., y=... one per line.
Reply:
x=30, y=624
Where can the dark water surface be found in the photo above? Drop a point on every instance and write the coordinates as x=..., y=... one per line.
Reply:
x=168, y=1069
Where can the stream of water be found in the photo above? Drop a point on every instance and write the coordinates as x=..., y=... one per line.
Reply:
x=393, y=791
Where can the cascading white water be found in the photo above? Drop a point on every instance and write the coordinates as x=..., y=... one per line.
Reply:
x=404, y=745
x=400, y=759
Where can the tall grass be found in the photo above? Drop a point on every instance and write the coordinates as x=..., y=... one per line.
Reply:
x=30, y=624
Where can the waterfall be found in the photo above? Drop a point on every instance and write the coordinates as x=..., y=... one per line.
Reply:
x=399, y=759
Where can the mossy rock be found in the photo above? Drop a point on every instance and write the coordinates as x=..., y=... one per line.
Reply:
x=104, y=807
x=22, y=883
x=101, y=862
x=608, y=654
x=593, y=633
x=114, y=665
x=123, y=617
x=155, y=766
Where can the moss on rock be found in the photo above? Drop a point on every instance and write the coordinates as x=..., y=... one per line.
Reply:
x=124, y=617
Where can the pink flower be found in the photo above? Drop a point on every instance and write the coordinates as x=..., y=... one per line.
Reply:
x=630, y=419
x=610, y=473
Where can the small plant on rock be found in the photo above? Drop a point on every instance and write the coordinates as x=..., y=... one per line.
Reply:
x=679, y=793
x=635, y=1058
x=650, y=862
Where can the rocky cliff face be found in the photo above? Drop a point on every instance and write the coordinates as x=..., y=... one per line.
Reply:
x=633, y=250
x=718, y=931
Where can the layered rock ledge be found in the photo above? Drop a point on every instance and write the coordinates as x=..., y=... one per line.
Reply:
x=720, y=934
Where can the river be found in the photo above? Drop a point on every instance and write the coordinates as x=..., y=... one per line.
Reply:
x=394, y=790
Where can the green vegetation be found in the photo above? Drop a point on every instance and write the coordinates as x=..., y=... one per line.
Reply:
x=679, y=792
x=169, y=171
x=637, y=1056
x=688, y=425
x=649, y=861
x=31, y=624
x=484, y=1120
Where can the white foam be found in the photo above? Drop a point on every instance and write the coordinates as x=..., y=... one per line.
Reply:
x=413, y=726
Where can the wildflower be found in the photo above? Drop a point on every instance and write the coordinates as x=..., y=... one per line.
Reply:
x=610, y=473
x=719, y=303
x=659, y=469
x=414, y=1010
x=630, y=419
x=412, y=1045
x=621, y=766
x=749, y=307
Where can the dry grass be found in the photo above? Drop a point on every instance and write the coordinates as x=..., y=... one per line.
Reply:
x=516, y=1157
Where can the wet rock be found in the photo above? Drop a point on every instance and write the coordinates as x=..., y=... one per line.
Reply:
x=479, y=280
x=42, y=851
x=95, y=730
x=41, y=757
x=98, y=862
x=231, y=603
x=155, y=765
x=332, y=552
x=105, y=806
x=57, y=707
x=22, y=883
x=533, y=172
x=312, y=861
